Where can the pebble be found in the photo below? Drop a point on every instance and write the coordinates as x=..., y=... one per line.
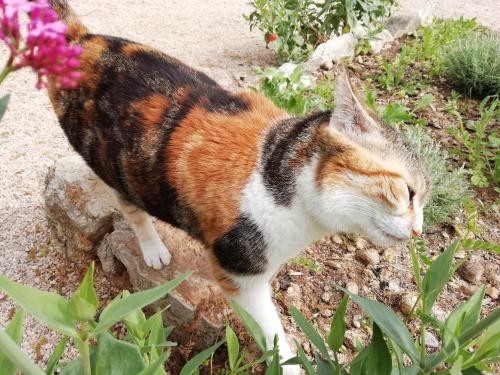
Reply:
x=352, y=287
x=356, y=320
x=326, y=297
x=351, y=248
x=368, y=257
x=337, y=239
x=472, y=271
x=327, y=313
x=393, y=286
x=492, y=273
x=360, y=243
x=492, y=292
x=430, y=340
x=406, y=303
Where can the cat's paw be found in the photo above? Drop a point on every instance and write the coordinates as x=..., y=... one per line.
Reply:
x=291, y=370
x=155, y=254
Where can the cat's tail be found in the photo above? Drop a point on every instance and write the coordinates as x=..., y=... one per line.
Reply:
x=76, y=29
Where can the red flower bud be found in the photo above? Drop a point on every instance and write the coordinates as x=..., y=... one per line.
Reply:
x=272, y=38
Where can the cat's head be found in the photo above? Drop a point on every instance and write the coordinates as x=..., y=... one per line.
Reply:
x=366, y=180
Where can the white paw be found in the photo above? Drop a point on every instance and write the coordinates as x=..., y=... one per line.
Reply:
x=291, y=370
x=155, y=254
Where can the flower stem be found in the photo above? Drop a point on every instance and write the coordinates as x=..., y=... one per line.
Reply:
x=82, y=342
x=4, y=73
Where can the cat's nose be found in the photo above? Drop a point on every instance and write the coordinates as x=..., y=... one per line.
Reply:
x=416, y=232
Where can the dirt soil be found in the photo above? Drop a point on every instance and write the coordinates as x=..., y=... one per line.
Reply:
x=211, y=36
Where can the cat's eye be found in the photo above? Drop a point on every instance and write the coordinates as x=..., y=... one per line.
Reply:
x=411, y=194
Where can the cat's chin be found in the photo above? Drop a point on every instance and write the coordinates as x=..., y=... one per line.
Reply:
x=383, y=239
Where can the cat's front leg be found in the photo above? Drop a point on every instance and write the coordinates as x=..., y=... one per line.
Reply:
x=254, y=295
x=154, y=252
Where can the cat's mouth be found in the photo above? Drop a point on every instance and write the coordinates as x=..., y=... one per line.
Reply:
x=382, y=237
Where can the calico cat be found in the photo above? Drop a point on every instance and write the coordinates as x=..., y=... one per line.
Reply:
x=253, y=183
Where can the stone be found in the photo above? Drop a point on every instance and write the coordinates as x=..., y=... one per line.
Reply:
x=368, y=257
x=356, y=320
x=327, y=313
x=361, y=243
x=492, y=274
x=352, y=287
x=402, y=24
x=407, y=302
x=380, y=40
x=326, y=297
x=430, y=340
x=78, y=204
x=492, y=292
x=335, y=49
x=472, y=270
x=288, y=68
x=196, y=305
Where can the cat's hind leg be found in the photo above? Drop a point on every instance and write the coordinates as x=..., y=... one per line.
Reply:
x=154, y=252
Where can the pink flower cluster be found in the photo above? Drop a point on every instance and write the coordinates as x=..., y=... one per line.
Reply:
x=40, y=43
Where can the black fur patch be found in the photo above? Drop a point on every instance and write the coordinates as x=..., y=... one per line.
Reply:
x=241, y=250
x=281, y=145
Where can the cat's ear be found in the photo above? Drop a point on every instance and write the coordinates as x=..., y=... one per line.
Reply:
x=350, y=113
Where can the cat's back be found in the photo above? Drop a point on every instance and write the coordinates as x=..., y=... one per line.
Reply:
x=164, y=135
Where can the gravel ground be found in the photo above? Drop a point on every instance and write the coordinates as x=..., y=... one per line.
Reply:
x=209, y=35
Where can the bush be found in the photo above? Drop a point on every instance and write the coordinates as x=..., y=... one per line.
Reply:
x=449, y=187
x=293, y=92
x=295, y=27
x=472, y=64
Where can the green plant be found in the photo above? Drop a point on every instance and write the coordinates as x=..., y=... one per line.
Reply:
x=295, y=27
x=472, y=64
x=482, y=143
x=293, y=92
x=310, y=264
x=144, y=351
x=467, y=343
x=449, y=185
x=429, y=48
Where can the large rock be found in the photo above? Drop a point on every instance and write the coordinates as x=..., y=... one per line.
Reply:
x=196, y=306
x=82, y=209
x=79, y=205
x=336, y=49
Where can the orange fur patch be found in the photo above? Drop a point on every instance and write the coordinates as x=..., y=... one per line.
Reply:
x=151, y=109
x=132, y=48
x=211, y=157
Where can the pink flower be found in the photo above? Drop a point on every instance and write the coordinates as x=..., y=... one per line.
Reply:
x=41, y=43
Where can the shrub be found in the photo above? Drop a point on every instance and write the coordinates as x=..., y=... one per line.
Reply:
x=472, y=64
x=294, y=92
x=449, y=185
x=295, y=27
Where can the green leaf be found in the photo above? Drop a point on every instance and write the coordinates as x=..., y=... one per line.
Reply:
x=423, y=102
x=156, y=365
x=4, y=101
x=488, y=345
x=375, y=359
x=305, y=361
x=396, y=113
x=274, y=367
x=120, y=308
x=309, y=330
x=251, y=325
x=437, y=276
x=156, y=338
x=463, y=317
x=337, y=330
x=480, y=245
x=135, y=322
x=56, y=356
x=12, y=351
x=116, y=357
x=378, y=360
x=389, y=323
x=195, y=362
x=233, y=347
x=83, y=304
x=15, y=331
x=50, y=308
